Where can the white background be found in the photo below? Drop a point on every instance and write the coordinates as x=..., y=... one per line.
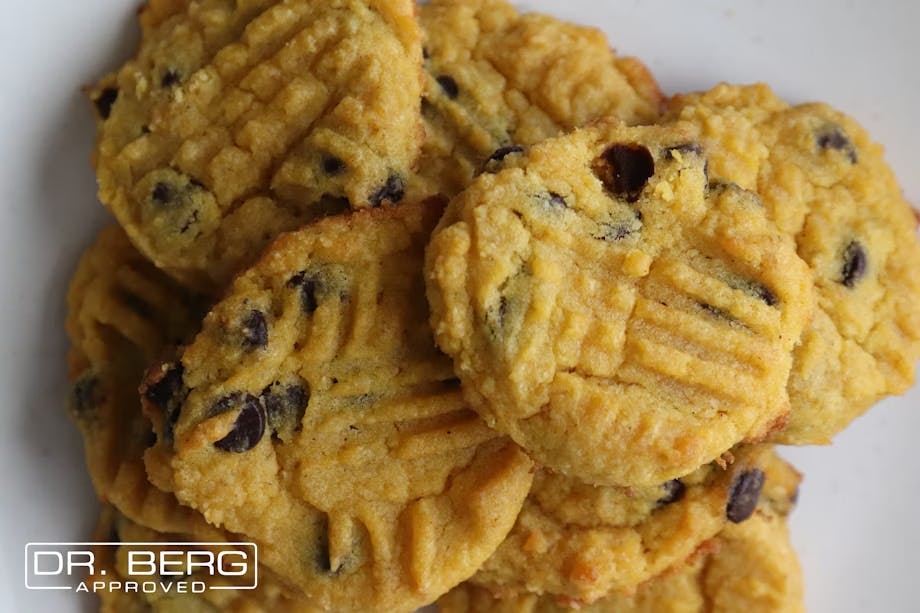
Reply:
x=856, y=525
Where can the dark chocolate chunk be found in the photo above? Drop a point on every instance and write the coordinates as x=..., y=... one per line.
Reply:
x=255, y=330
x=105, y=100
x=833, y=137
x=855, y=262
x=393, y=190
x=743, y=495
x=674, y=490
x=625, y=170
x=449, y=85
x=333, y=166
x=285, y=405
x=166, y=391
x=170, y=77
x=308, y=288
x=164, y=193
x=249, y=426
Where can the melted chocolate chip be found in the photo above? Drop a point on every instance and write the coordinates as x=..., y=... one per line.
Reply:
x=167, y=392
x=502, y=152
x=449, y=85
x=84, y=395
x=625, y=169
x=833, y=137
x=105, y=100
x=285, y=406
x=333, y=166
x=308, y=288
x=170, y=77
x=163, y=193
x=393, y=191
x=249, y=426
x=855, y=262
x=743, y=495
x=674, y=490
x=255, y=330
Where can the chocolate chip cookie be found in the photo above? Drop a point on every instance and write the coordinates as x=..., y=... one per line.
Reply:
x=315, y=414
x=497, y=80
x=619, y=315
x=580, y=542
x=236, y=121
x=825, y=182
x=121, y=313
x=749, y=566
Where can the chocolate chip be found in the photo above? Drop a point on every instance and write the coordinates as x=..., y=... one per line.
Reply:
x=285, y=406
x=84, y=396
x=502, y=152
x=308, y=287
x=255, y=330
x=249, y=426
x=165, y=389
x=163, y=193
x=674, y=490
x=105, y=100
x=855, y=262
x=393, y=191
x=833, y=137
x=625, y=169
x=743, y=495
x=333, y=166
x=449, y=85
x=170, y=77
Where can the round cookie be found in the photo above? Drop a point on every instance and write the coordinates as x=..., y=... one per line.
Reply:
x=825, y=182
x=580, y=542
x=121, y=314
x=497, y=80
x=749, y=567
x=111, y=564
x=236, y=121
x=617, y=315
x=316, y=415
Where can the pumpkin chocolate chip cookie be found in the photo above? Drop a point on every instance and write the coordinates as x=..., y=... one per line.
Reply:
x=315, y=414
x=238, y=120
x=619, y=315
x=825, y=182
x=497, y=80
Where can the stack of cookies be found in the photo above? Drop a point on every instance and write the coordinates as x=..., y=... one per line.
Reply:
x=446, y=303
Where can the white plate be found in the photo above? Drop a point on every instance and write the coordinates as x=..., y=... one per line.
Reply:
x=856, y=525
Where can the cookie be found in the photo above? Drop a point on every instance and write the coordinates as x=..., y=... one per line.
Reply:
x=121, y=313
x=825, y=182
x=750, y=566
x=579, y=542
x=497, y=80
x=161, y=594
x=619, y=316
x=236, y=121
x=316, y=415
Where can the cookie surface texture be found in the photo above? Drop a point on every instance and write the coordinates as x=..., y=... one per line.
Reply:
x=579, y=542
x=750, y=566
x=825, y=182
x=238, y=120
x=121, y=314
x=321, y=420
x=619, y=317
x=161, y=593
x=497, y=79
